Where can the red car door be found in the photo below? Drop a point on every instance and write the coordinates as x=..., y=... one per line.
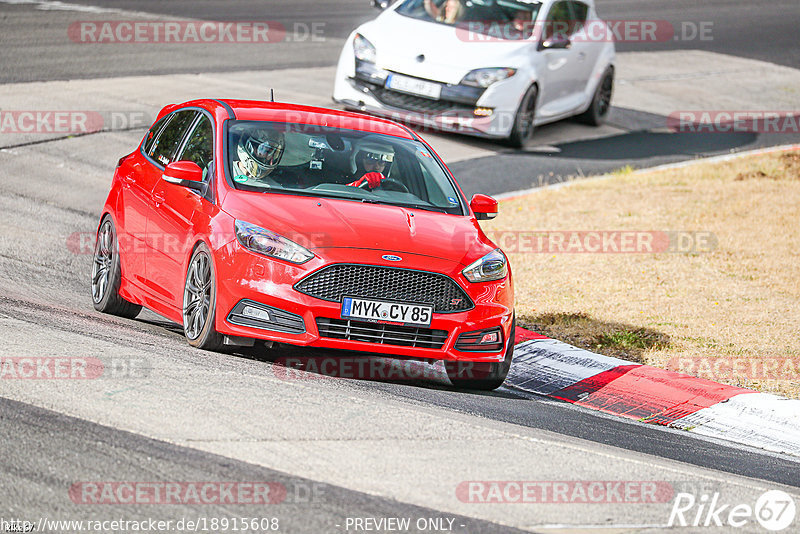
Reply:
x=138, y=178
x=161, y=154
x=175, y=210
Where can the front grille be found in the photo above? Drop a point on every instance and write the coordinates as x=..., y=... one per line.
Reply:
x=386, y=283
x=418, y=104
x=383, y=334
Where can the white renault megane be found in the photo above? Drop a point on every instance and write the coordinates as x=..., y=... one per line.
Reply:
x=491, y=68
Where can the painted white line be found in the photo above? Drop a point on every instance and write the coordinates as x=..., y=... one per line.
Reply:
x=665, y=167
x=757, y=419
x=49, y=5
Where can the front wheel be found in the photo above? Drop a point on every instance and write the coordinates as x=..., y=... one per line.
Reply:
x=199, y=301
x=107, y=274
x=598, y=110
x=522, y=129
x=484, y=376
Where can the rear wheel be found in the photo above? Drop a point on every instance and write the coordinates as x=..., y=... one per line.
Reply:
x=199, y=301
x=598, y=110
x=484, y=376
x=522, y=130
x=107, y=274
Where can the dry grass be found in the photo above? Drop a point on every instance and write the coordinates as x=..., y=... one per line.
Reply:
x=741, y=301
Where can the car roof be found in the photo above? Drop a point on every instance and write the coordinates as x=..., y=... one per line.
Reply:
x=295, y=113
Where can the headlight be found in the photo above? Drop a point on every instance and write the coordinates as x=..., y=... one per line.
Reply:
x=268, y=243
x=486, y=77
x=493, y=266
x=363, y=49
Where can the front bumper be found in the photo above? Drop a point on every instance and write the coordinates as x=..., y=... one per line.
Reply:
x=244, y=276
x=487, y=113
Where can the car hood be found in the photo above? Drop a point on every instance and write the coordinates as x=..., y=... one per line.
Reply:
x=449, y=52
x=320, y=223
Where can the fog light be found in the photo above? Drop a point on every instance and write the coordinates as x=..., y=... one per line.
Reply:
x=481, y=341
x=483, y=112
x=256, y=313
x=492, y=337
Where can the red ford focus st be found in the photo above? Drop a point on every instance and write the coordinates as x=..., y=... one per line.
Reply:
x=246, y=221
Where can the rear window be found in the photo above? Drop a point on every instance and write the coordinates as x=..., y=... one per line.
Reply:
x=166, y=144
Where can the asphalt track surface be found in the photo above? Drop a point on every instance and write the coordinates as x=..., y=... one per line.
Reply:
x=43, y=289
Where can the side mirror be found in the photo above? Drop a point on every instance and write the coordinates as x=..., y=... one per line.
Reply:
x=184, y=173
x=484, y=207
x=556, y=42
x=381, y=4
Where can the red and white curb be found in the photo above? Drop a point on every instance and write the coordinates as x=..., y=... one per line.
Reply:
x=648, y=394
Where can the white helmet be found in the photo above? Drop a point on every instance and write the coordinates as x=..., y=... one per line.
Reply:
x=372, y=149
x=260, y=151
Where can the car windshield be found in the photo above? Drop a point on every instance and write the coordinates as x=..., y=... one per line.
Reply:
x=504, y=19
x=348, y=164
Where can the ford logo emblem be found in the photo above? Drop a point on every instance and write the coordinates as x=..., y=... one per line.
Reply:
x=389, y=257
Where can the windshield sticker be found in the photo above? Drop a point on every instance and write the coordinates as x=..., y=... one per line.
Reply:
x=240, y=178
x=452, y=200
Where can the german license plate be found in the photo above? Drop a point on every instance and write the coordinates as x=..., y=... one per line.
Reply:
x=414, y=86
x=389, y=312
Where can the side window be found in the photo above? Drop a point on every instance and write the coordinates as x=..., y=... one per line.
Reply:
x=200, y=146
x=580, y=11
x=167, y=142
x=150, y=138
x=559, y=21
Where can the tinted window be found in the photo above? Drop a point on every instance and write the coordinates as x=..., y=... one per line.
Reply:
x=580, y=12
x=502, y=19
x=167, y=142
x=200, y=146
x=559, y=21
x=150, y=138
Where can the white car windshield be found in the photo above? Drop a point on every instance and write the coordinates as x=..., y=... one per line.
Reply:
x=508, y=19
x=329, y=162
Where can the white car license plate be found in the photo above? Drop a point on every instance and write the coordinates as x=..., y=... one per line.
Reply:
x=414, y=86
x=390, y=312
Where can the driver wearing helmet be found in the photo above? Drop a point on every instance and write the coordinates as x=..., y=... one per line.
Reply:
x=371, y=162
x=260, y=152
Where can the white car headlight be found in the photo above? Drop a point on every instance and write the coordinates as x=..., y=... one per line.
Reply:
x=486, y=77
x=363, y=49
x=268, y=243
x=493, y=266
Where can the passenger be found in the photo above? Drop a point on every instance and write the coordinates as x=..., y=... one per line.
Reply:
x=448, y=11
x=371, y=163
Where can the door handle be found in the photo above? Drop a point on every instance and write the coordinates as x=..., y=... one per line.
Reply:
x=158, y=198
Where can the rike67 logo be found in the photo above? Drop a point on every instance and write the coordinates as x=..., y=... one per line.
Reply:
x=774, y=510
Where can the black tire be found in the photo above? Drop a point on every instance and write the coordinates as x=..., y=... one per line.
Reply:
x=598, y=110
x=107, y=274
x=483, y=376
x=522, y=130
x=200, y=300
